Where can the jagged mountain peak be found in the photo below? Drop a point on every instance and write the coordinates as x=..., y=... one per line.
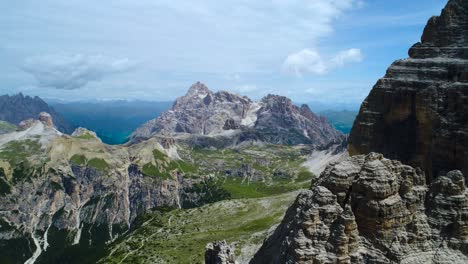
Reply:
x=274, y=119
x=417, y=112
x=445, y=35
x=199, y=89
x=19, y=107
x=307, y=112
x=278, y=103
x=450, y=27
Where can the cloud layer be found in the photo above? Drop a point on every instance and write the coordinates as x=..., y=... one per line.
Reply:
x=311, y=61
x=69, y=72
x=237, y=45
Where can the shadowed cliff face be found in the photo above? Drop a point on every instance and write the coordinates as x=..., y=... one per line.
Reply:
x=418, y=112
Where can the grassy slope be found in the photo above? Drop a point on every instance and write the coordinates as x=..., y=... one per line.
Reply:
x=180, y=236
x=6, y=127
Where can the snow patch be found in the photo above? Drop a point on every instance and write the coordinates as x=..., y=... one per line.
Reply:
x=226, y=133
x=78, y=227
x=37, y=252
x=251, y=117
x=46, y=243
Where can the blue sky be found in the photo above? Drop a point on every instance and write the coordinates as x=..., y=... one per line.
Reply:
x=322, y=51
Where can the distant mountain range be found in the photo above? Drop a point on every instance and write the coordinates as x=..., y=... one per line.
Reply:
x=16, y=108
x=115, y=121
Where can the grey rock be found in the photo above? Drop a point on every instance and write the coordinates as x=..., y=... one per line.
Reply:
x=202, y=113
x=231, y=124
x=46, y=119
x=417, y=113
x=85, y=133
x=219, y=252
x=369, y=209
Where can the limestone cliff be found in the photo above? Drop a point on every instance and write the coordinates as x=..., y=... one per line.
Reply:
x=368, y=209
x=417, y=113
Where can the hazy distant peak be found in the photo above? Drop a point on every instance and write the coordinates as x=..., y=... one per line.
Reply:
x=19, y=107
x=198, y=88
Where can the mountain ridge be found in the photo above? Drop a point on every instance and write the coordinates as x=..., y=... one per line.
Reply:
x=205, y=113
x=19, y=107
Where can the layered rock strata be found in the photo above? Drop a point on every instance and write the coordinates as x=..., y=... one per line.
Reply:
x=417, y=113
x=369, y=209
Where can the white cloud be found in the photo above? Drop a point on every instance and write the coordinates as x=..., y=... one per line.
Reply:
x=69, y=72
x=247, y=88
x=178, y=41
x=346, y=56
x=311, y=61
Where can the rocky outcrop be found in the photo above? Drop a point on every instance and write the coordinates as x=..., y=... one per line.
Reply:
x=417, y=113
x=448, y=210
x=17, y=108
x=235, y=119
x=369, y=209
x=84, y=133
x=46, y=119
x=289, y=124
x=231, y=124
x=219, y=252
x=25, y=124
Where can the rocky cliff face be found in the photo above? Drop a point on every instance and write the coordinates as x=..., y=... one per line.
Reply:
x=417, y=112
x=368, y=209
x=17, y=108
x=62, y=195
x=291, y=124
x=274, y=119
x=200, y=112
